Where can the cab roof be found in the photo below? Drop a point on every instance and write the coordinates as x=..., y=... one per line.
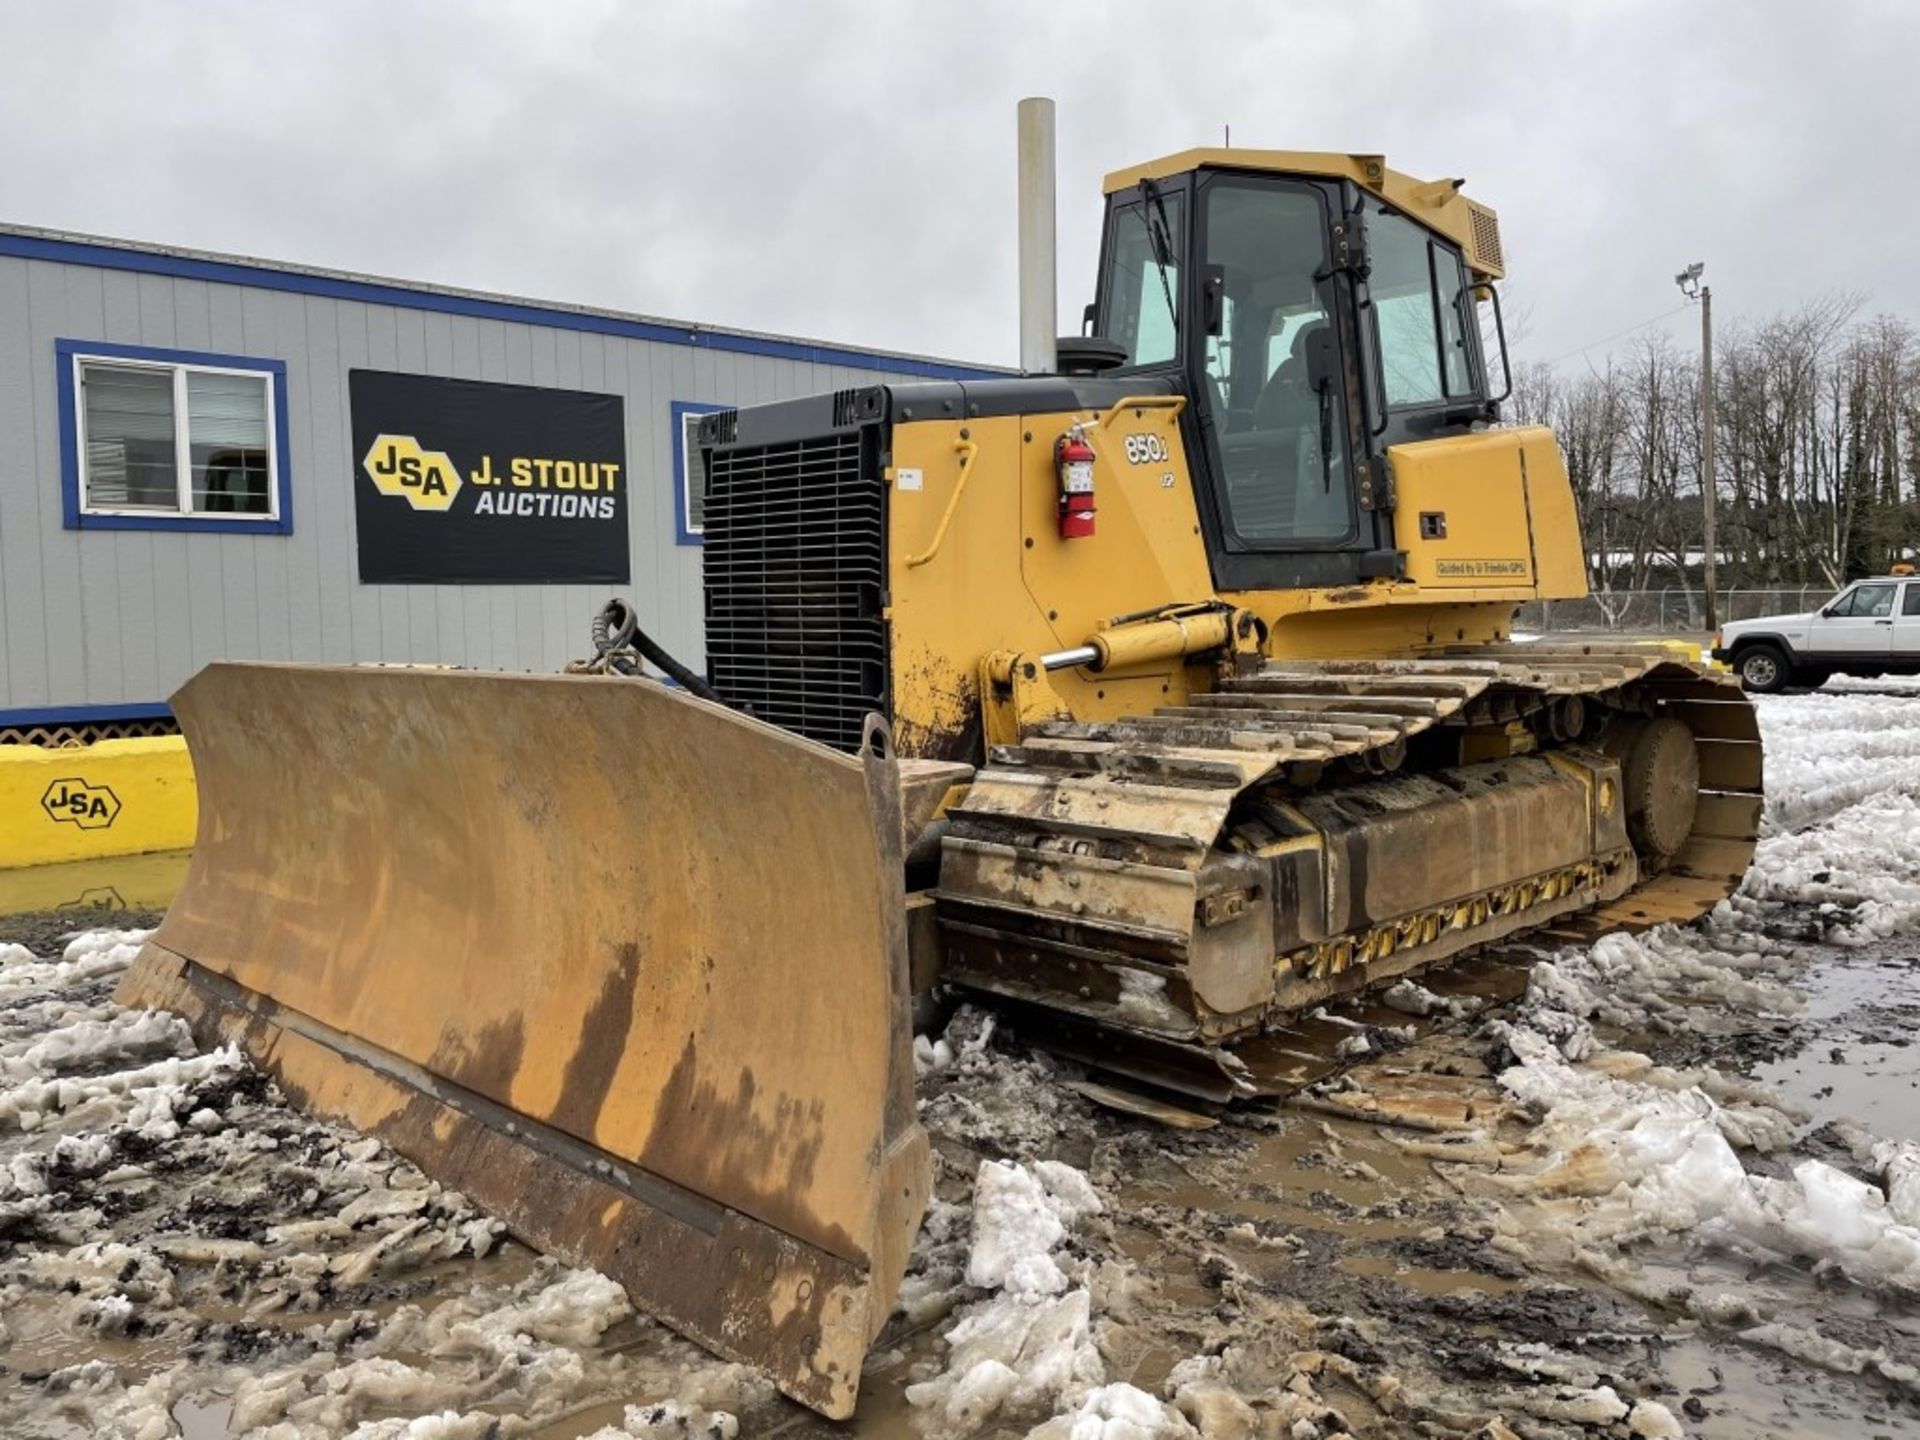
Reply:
x=1437, y=204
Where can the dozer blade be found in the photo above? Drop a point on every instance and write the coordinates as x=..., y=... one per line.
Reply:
x=627, y=968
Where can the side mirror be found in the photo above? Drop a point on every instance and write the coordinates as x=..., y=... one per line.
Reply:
x=1213, y=292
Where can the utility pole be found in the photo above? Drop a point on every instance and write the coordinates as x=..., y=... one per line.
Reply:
x=1690, y=286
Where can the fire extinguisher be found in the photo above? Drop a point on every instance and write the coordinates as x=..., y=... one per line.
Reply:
x=1073, y=461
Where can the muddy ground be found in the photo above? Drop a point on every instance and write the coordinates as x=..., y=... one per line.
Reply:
x=1373, y=1274
x=1407, y=1284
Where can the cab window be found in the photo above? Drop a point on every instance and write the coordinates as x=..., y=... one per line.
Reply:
x=1143, y=313
x=1911, y=605
x=1863, y=601
x=1269, y=365
x=1420, y=297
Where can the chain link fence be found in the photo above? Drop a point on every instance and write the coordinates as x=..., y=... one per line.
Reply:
x=1664, y=612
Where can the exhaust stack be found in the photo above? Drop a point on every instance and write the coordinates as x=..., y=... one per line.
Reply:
x=1039, y=301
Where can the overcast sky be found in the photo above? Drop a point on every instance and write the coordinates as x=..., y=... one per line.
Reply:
x=845, y=171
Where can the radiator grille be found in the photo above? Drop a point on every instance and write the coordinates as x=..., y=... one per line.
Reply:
x=795, y=553
x=1486, y=236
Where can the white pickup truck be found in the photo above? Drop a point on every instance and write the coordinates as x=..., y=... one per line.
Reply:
x=1870, y=628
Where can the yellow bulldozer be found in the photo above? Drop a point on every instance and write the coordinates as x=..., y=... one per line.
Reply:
x=1155, y=695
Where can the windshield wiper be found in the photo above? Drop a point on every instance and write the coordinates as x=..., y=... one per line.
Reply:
x=1160, y=238
x=1326, y=436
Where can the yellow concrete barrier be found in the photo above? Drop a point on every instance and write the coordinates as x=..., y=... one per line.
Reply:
x=114, y=797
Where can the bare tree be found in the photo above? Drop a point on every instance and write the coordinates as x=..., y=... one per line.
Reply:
x=1819, y=476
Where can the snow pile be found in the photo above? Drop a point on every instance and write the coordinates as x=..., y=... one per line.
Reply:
x=1659, y=981
x=1831, y=1354
x=1116, y=1412
x=147, y=1098
x=520, y=1348
x=1019, y=1215
x=998, y=1101
x=1843, y=801
x=671, y=1421
x=1410, y=997
x=447, y=1425
x=1898, y=1162
x=930, y=1056
x=936, y=1278
x=1656, y=1152
x=1826, y=751
x=1860, y=867
x=90, y=955
x=1143, y=1001
x=1026, y=1349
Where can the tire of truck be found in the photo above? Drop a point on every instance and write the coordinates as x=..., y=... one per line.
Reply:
x=1763, y=669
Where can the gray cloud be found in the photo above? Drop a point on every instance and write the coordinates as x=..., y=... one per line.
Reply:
x=844, y=170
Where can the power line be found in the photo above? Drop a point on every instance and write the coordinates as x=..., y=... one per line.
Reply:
x=1618, y=335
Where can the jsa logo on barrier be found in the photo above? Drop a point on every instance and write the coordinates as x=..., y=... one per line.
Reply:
x=425, y=479
x=75, y=802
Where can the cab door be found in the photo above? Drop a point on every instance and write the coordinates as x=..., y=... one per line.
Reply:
x=1857, y=628
x=1906, y=627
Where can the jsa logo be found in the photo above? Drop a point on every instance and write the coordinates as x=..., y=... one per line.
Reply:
x=425, y=479
x=75, y=802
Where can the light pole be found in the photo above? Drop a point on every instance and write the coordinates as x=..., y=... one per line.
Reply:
x=1690, y=286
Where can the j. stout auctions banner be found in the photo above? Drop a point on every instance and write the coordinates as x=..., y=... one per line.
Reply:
x=463, y=481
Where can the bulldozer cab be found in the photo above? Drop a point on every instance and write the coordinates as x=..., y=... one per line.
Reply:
x=1315, y=309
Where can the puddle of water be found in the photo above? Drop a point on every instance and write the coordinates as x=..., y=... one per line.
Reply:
x=1748, y=1394
x=1857, y=1064
x=121, y=882
x=203, y=1420
x=882, y=1409
x=42, y=1338
x=1421, y=1278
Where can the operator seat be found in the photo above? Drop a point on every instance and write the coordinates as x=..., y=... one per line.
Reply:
x=1287, y=395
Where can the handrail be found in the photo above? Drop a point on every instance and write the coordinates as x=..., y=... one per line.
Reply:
x=1175, y=403
x=967, y=450
x=1506, y=360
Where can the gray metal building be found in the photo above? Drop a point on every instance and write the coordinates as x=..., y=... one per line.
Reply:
x=183, y=478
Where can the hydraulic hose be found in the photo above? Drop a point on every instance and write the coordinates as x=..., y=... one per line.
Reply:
x=617, y=629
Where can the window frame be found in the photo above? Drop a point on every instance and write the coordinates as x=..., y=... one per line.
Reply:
x=682, y=411
x=1437, y=247
x=1174, y=200
x=77, y=514
x=1853, y=594
x=1193, y=359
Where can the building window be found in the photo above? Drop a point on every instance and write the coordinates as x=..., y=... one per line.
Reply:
x=163, y=439
x=690, y=480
